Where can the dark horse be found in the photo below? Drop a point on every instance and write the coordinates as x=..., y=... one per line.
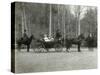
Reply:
x=76, y=41
x=91, y=42
x=26, y=42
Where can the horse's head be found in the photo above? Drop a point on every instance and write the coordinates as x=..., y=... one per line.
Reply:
x=32, y=37
x=29, y=40
x=81, y=37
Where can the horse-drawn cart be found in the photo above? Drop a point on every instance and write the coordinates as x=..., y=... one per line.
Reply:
x=56, y=44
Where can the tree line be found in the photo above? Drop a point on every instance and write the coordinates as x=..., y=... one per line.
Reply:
x=71, y=20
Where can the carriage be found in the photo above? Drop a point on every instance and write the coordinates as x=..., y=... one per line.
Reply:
x=43, y=43
x=49, y=43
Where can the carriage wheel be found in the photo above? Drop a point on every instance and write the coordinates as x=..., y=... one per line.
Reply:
x=40, y=48
x=58, y=47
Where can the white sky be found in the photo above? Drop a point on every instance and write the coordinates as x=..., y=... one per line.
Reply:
x=83, y=11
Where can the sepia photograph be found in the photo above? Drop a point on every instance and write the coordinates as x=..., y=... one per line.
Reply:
x=53, y=37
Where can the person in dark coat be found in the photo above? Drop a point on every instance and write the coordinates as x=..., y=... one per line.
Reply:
x=25, y=36
x=58, y=34
x=90, y=42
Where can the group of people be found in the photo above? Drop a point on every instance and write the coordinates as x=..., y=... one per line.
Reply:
x=90, y=39
x=45, y=36
x=50, y=38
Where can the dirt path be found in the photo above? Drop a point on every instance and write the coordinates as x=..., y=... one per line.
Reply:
x=39, y=62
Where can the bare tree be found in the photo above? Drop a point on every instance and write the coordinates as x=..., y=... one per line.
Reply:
x=78, y=11
x=89, y=21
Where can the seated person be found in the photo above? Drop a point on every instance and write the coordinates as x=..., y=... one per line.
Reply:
x=46, y=38
x=51, y=38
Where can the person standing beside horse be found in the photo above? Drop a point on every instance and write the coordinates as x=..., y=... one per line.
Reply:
x=58, y=34
x=90, y=42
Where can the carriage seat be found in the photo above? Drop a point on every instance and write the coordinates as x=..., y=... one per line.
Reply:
x=48, y=39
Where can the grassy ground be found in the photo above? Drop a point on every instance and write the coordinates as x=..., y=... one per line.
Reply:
x=55, y=61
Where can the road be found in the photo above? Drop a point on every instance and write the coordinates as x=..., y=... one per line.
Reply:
x=55, y=61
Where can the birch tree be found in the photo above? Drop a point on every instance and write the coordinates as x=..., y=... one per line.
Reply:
x=78, y=10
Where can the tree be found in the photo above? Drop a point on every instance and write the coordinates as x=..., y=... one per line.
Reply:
x=89, y=22
x=78, y=10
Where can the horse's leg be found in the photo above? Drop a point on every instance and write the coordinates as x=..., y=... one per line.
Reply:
x=28, y=46
x=47, y=49
x=79, y=48
x=67, y=50
x=68, y=47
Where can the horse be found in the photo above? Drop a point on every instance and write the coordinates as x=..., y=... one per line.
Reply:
x=26, y=42
x=91, y=42
x=70, y=41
